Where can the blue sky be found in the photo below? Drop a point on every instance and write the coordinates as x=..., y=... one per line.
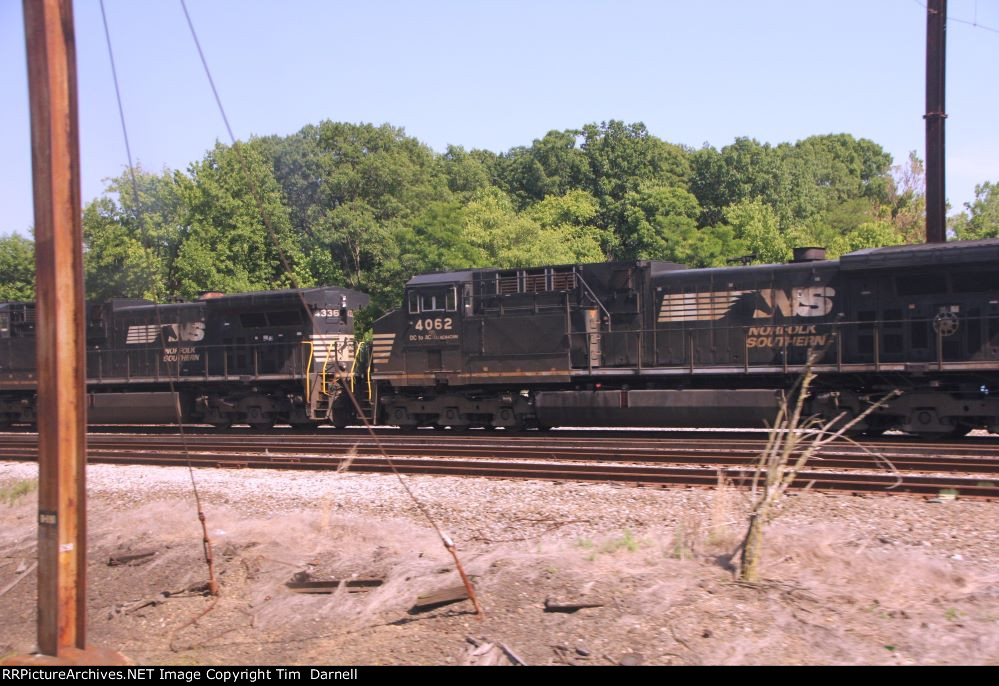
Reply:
x=490, y=74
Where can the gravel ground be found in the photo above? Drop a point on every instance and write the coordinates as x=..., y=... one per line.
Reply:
x=876, y=580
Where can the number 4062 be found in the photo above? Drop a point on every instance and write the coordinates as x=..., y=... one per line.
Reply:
x=438, y=324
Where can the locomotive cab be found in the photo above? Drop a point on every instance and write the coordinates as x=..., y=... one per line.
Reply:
x=434, y=325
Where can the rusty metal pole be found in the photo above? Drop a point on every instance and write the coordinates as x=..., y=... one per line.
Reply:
x=936, y=53
x=55, y=162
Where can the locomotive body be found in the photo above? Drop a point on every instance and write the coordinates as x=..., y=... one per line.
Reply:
x=651, y=343
x=256, y=358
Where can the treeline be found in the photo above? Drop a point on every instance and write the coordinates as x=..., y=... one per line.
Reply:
x=368, y=206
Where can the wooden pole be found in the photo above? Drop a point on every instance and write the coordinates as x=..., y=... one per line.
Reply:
x=55, y=162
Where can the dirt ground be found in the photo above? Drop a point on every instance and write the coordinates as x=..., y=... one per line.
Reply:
x=849, y=580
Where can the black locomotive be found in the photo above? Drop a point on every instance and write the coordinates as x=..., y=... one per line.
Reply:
x=651, y=343
x=257, y=358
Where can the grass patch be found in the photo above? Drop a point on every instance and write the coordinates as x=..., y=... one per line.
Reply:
x=11, y=493
x=626, y=541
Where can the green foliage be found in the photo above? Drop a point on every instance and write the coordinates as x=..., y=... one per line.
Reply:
x=906, y=203
x=875, y=234
x=17, y=268
x=12, y=492
x=626, y=541
x=505, y=238
x=755, y=223
x=131, y=236
x=118, y=263
x=656, y=220
x=468, y=172
x=238, y=235
x=981, y=218
x=367, y=206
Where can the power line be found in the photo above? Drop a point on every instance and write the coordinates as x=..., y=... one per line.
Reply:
x=974, y=23
x=255, y=192
x=121, y=110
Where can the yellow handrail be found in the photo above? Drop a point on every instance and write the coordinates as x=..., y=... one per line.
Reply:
x=371, y=358
x=353, y=366
x=308, y=373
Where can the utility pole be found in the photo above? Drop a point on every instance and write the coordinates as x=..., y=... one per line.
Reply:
x=936, y=55
x=55, y=161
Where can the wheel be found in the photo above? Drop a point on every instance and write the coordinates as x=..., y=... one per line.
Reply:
x=960, y=430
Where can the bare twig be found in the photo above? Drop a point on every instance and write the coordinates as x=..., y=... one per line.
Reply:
x=793, y=440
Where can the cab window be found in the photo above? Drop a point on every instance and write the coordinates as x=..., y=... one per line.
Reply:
x=4, y=325
x=433, y=300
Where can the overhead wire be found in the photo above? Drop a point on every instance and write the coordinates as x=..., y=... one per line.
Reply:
x=213, y=586
x=973, y=23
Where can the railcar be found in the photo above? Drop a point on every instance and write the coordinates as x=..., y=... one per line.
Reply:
x=652, y=343
x=255, y=358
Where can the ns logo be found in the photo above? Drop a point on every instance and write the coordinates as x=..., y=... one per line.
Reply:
x=144, y=334
x=188, y=331
x=808, y=301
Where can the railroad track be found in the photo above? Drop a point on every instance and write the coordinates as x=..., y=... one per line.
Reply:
x=647, y=462
x=843, y=456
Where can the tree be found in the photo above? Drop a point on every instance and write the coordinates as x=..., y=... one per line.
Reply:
x=656, y=220
x=867, y=235
x=373, y=180
x=744, y=170
x=468, y=172
x=574, y=216
x=793, y=440
x=553, y=165
x=132, y=235
x=981, y=218
x=116, y=262
x=297, y=164
x=506, y=238
x=239, y=235
x=17, y=268
x=840, y=167
x=906, y=204
x=755, y=223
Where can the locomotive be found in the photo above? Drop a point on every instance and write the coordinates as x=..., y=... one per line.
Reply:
x=253, y=358
x=653, y=343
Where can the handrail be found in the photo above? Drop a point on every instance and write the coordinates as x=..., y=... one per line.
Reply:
x=308, y=372
x=353, y=366
x=371, y=359
x=596, y=299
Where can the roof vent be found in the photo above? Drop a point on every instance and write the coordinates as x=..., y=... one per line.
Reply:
x=809, y=254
